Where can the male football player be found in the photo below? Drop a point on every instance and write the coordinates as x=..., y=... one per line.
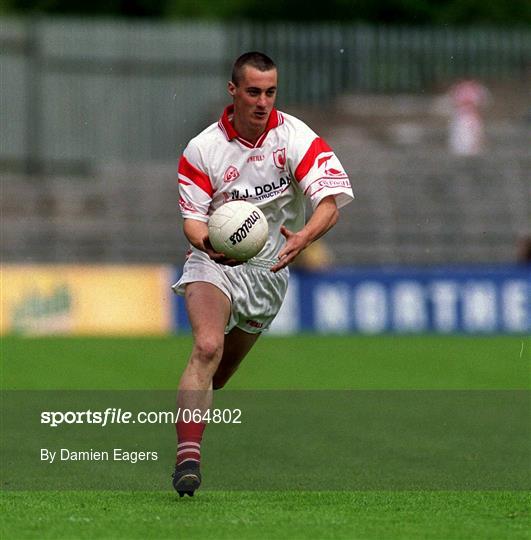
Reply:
x=257, y=153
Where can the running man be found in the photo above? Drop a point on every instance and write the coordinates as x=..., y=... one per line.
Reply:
x=275, y=161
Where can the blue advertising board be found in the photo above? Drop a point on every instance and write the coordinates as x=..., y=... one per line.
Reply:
x=470, y=300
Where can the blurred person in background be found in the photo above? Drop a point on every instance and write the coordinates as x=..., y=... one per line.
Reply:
x=466, y=135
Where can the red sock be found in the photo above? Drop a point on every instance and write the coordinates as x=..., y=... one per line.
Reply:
x=189, y=435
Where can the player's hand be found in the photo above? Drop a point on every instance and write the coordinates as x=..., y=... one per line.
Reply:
x=216, y=256
x=295, y=243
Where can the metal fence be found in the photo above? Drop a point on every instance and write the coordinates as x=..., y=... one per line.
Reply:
x=320, y=61
x=77, y=93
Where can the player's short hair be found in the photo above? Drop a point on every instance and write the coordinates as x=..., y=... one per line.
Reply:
x=255, y=59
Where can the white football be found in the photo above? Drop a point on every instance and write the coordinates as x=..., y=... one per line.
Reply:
x=238, y=229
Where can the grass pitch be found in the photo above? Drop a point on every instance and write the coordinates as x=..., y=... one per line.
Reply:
x=323, y=515
x=304, y=362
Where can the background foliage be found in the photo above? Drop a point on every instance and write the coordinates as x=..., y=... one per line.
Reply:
x=418, y=12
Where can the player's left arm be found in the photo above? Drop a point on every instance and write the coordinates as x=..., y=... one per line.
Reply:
x=324, y=217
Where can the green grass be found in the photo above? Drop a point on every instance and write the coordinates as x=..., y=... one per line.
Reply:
x=286, y=514
x=305, y=362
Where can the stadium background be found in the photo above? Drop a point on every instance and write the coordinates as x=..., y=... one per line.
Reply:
x=95, y=111
x=98, y=112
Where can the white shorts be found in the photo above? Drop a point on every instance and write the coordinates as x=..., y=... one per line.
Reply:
x=256, y=294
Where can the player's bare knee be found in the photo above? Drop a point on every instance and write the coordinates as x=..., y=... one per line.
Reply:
x=208, y=350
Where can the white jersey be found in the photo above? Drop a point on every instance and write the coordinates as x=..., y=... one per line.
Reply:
x=287, y=164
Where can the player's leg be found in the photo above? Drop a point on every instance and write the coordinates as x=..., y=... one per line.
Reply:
x=237, y=344
x=208, y=310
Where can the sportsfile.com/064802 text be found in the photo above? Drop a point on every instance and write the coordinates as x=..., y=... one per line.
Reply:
x=113, y=415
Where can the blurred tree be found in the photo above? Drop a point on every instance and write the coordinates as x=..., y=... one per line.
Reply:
x=415, y=12
x=130, y=8
x=209, y=9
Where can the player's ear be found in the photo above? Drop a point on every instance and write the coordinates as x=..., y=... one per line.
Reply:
x=231, y=87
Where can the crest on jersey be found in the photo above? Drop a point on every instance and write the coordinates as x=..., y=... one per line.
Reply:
x=231, y=174
x=187, y=206
x=279, y=157
x=330, y=171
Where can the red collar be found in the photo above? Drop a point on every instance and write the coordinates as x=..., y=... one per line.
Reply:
x=275, y=119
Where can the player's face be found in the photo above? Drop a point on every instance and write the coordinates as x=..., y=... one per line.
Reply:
x=254, y=98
